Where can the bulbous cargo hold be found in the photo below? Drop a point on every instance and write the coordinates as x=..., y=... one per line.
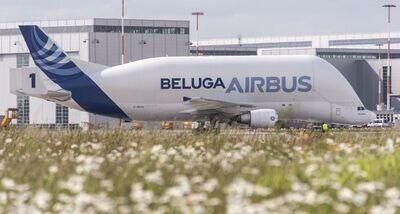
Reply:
x=196, y=88
x=297, y=87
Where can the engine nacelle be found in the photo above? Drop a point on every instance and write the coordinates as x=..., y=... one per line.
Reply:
x=261, y=118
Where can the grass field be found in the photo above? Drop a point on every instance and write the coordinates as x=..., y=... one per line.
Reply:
x=168, y=172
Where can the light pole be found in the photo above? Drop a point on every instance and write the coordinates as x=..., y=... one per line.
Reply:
x=380, y=76
x=197, y=14
x=122, y=32
x=389, y=61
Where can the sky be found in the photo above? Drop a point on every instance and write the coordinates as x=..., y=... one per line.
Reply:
x=223, y=18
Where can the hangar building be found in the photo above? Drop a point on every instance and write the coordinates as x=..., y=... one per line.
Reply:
x=361, y=58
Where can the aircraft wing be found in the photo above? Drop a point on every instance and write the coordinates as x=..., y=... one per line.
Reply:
x=205, y=106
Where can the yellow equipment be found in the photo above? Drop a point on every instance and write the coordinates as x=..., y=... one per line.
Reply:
x=165, y=125
x=187, y=125
x=137, y=126
x=325, y=127
x=10, y=115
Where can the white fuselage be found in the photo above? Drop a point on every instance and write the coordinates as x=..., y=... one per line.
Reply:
x=153, y=89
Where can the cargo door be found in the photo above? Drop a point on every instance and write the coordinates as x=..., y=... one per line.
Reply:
x=337, y=113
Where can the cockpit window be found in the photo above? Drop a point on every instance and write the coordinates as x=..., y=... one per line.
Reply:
x=360, y=108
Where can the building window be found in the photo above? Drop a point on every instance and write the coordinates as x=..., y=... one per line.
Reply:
x=107, y=29
x=62, y=115
x=23, y=110
x=22, y=60
x=158, y=30
x=184, y=30
x=385, y=83
x=362, y=41
x=139, y=29
x=22, y=101
x=148, y=30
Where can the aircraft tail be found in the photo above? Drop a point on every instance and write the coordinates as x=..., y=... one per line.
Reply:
x=50, y=58
x=71, y=75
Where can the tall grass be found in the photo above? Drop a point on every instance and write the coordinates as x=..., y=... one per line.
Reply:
x=123, y=171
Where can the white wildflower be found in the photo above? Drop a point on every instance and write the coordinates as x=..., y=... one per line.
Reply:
x=389, y=145
x=156, y=149
x=102, y=203
x=345, y=194
x=138, y=194
x=274, y=162
x=294, y=197
x=345, y=148
x=210, y=185
x=392, y=193
x=359, y=199
x=8, y=140
x=134, y=144
x=261, y=191
x=311, y=197
x=195, y=198
x=42, y=199
x=53, y=169
x=199, y=144
x=96, y=146
x=3, y=197
x=154, y=177
x=183, y=183
x=107, y=185
x=377, y=210
x=330, y=141
x=242, y=188
x=297, y=148
x=88, y=163
x=373, y=147
x=197, y=179
x=22, y=187
x=171, y=152
x=189, y=151
x=74, y=184
x=310, y=169
x=8, y=183
x=213, y=202
x=369, y=187
x=299, y=186
x=341, y=208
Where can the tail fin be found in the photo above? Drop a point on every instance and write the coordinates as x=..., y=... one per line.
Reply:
x=63, y=71
x=48, y=56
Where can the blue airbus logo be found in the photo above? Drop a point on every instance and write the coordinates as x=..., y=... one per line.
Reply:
x=247, y=85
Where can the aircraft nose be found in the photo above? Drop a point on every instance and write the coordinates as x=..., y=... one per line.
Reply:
x=371, y=116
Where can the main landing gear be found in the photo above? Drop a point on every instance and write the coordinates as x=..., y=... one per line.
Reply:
x=211, y=126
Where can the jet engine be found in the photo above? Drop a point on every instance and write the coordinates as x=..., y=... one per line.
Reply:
x=261, y=118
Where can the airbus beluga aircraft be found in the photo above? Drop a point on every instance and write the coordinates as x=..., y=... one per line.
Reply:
x=252, y=90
